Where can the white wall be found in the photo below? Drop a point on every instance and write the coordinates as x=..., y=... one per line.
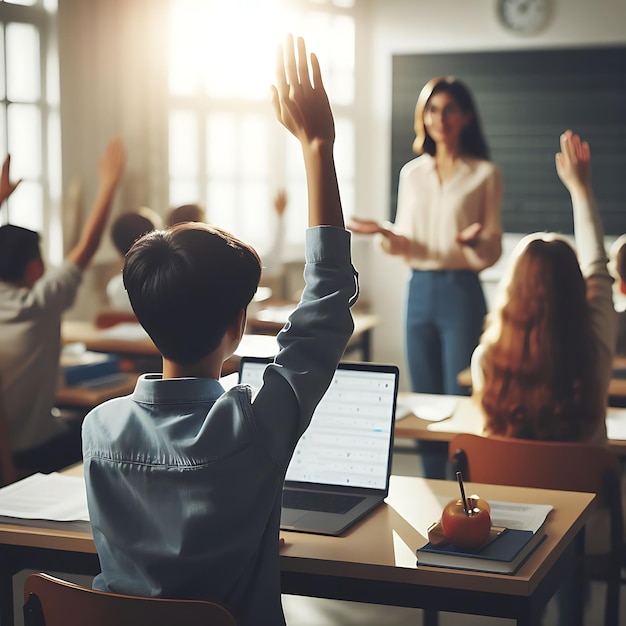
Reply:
x=408, y=26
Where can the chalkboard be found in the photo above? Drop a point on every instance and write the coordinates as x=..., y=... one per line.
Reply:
x=525, y=100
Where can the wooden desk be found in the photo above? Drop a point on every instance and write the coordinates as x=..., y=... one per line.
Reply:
x=467, y=418
x=270, y=321
x=88, y=397
x=374, y=562
x=132, y=341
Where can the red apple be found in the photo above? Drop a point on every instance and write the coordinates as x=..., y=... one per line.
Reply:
x=469, y=530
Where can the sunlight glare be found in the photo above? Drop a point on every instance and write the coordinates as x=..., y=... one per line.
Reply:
x=224, y=49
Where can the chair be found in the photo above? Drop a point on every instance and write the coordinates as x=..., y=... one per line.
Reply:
x=565, y=466
x=49, y=601
x=109, y=317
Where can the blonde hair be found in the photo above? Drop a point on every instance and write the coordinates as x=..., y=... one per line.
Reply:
x=539, y=353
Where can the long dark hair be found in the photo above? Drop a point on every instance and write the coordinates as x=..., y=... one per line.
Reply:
x=472, y=139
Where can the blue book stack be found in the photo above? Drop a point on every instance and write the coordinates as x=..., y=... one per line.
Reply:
x=104, y=367
x=503, y=555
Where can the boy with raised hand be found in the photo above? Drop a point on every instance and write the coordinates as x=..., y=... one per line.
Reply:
x=184, y=481
x=32, y=301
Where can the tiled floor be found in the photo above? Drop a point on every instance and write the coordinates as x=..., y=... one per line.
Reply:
x=300, y=611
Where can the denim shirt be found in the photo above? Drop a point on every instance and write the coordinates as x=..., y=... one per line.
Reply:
x=184, y=480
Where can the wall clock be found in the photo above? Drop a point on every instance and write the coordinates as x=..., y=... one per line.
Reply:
x=524, y=16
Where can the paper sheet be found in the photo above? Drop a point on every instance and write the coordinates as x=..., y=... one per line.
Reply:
x=616, y=423
x=51, y=497
x=125, y=331
x=514, y=514
x=430, y=407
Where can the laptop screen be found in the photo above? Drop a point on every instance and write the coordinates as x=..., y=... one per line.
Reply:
x=349, y=439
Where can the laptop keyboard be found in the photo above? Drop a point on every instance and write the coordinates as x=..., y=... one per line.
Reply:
x=322, y=502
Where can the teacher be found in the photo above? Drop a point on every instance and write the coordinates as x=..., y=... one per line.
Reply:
x=447, y=228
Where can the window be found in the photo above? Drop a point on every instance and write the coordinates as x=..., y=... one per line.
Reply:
x=29, y=117
x=226, y=150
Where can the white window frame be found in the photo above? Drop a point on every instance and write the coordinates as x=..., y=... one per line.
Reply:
x=42, y=15
x=278, y=154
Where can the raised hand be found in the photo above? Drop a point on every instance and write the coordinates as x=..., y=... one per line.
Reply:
x=573, y=162
x=301, y=105
x=363, y=226
x=6, y=186
x=280, y=202
x=111, y=165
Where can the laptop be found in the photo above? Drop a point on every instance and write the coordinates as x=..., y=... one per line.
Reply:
x=340, y=468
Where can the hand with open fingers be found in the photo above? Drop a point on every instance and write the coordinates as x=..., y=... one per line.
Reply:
x=6, y=186
x=301, y=106
x=111, y=165
x=363, y=226
x=573, y=162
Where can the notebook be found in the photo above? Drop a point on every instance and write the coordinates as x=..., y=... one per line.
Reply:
x=340, y=468
x=503, y=555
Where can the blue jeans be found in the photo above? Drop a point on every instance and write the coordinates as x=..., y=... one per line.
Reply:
x=444, y=319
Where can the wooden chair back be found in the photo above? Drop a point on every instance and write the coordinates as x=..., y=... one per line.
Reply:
x=565, y=466
x=109, y=317
x=50, y=601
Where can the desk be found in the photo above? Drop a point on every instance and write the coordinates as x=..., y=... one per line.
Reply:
x=374, y=562
x=271, y=319
x=467, y=418
x=81, y=397
x=131, y=340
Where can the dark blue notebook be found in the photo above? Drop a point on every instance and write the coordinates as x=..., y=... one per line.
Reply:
x=83, y=372
x=503, y=555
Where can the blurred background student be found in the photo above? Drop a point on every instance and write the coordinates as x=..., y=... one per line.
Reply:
x=32, y=300
x=271, y=255
x=186, y=213
x=125, y=230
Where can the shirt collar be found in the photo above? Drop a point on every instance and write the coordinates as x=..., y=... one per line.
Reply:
x=464, y=163
x=152, y=389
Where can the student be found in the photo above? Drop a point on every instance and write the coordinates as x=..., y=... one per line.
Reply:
x=32, y=301
x=186, y=213
x=272, y=257
x=125, y=230
x=184, y=481
x=543, y=365
x=618, y=258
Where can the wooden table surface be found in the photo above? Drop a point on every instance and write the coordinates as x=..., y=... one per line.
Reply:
x=375, y=561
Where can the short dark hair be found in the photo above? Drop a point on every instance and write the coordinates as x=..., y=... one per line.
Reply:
x=472, y=139
x=186, y=284
x=18, y=246
x=127, y=228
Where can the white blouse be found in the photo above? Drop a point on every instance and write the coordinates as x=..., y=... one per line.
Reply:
x=431, y=214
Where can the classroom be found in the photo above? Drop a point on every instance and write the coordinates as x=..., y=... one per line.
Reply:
x=185, y=84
